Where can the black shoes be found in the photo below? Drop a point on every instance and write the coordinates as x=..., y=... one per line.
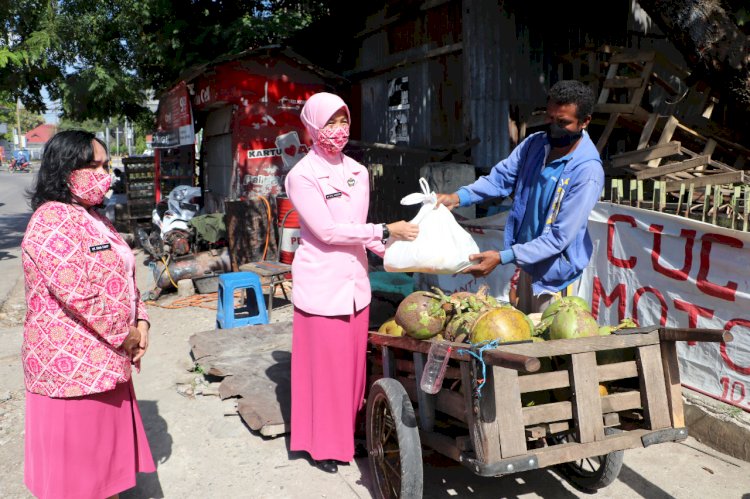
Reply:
x=328, y=465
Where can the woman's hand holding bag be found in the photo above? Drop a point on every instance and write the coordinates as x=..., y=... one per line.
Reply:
x=442, y=246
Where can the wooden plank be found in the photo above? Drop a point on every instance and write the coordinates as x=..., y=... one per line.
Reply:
x=578, y=345
x=679, y=199
x=611, y=419
x=604, y=137
x=389, y=362
x=484, y=436
x=623, y=82
x=443, y=444
x=614, y=108
x=587, y=406
x=509, y=417
x=666, y=136
x=648, y=153
x=407, y=366
x=561, y=379
x=604, y=95
x=557, y=412
x=621, y=401
x=619, y=370
x=679, y=166
x=672, y=383
x=629, y=56
x=543, y=381
x=547, y=413
x=653, y=392
x=565, y=453
x=637, y=96
x=648, y=129
x=689, y=204
x=706, y=200
x=447, y=401
x=425, y=401
x=737, y=177
x=491, y=357
x=717, y=204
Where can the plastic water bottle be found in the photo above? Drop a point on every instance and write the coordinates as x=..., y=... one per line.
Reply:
x=434, y=369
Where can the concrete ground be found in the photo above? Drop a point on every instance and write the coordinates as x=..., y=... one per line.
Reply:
x=202, y=453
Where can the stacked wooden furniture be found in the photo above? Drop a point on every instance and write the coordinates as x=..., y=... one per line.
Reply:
x=681, y=160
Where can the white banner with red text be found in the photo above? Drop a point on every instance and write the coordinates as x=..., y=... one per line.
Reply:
x=668, y=270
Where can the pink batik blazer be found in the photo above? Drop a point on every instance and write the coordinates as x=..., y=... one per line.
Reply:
x=80, y=301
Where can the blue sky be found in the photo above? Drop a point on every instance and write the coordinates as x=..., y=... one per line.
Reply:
x=53, y=108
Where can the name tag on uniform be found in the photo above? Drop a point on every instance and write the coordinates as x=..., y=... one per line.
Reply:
x=334, y=195
x=99, y=247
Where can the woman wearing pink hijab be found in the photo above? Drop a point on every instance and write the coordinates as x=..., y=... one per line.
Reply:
x=331, y=291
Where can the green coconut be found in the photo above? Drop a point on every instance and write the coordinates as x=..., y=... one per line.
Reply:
x=503, y=324
x=572, y=322
x=576, y=301
x=460, y=324
x=421, y=315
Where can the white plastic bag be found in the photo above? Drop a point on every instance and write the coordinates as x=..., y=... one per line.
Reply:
x=442, y=246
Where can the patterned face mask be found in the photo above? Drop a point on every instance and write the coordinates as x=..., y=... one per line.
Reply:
x=88, y=186
x=333, y=139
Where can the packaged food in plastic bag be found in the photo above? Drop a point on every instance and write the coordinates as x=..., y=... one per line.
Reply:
x=442, y=246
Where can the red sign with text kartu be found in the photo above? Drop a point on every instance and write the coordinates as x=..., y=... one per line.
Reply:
x=268, y=137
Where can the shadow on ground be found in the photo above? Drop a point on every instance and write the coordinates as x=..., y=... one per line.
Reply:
x=160, y=441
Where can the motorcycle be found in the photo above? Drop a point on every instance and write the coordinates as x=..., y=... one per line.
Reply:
x=172, y=235
x=14, y=166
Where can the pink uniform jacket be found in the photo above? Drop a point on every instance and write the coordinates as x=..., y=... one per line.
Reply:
x=81, y=299
x=330, y=268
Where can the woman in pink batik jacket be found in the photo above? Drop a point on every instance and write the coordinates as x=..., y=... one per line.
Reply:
x=331, y=292
x=85, y=327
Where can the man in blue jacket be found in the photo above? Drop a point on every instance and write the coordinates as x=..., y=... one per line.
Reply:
x=555, y=178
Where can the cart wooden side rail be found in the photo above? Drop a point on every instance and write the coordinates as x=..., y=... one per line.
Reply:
x=501, y=431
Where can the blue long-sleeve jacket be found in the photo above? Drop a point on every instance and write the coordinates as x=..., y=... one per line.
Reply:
x=564, y=248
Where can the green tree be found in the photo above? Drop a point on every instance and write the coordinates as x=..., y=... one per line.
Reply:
x=29, y=120
x=101, y=57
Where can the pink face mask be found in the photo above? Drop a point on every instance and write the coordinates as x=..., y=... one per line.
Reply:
x=88, y=186
x=333, y=139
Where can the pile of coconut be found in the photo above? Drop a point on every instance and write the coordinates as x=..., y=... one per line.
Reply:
x=478, y=317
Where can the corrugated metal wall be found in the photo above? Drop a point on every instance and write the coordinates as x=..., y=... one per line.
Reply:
x=476, y=70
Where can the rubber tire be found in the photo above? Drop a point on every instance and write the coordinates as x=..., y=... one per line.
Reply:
x=389, y=394
x=609, y=469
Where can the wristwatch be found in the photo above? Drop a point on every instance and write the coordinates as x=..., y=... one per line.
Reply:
x=386, y=233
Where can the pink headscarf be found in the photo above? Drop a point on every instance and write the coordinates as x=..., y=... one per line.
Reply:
x=318, y=110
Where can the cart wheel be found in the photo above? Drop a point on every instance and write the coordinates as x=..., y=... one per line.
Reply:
x=393, y=442
x=593, y=473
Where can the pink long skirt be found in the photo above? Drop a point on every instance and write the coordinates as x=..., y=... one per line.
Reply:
x=85, y=447
x=328, y=382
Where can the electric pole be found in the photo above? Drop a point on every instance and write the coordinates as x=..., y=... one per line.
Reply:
x=18, y=122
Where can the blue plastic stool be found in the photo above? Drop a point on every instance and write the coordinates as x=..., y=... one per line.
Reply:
x=226, y=314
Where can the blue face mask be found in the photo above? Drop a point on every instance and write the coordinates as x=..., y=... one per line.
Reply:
x=561, y=137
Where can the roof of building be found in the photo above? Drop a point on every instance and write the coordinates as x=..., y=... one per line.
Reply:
x=40, y=134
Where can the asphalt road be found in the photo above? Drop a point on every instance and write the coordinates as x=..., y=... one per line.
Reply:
x=14, y=216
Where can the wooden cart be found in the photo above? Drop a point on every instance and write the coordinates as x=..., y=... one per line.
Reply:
x=542, y=404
